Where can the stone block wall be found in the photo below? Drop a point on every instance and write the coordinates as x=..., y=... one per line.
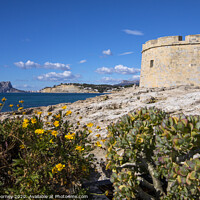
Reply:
x=171, y=61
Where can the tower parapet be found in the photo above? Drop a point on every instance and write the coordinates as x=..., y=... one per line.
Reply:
x=170, y=61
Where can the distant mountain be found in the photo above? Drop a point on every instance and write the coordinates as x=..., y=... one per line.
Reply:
x=126, y=83
x=6, y=87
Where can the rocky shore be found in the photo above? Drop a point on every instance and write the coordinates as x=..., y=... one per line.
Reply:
x=105, y=109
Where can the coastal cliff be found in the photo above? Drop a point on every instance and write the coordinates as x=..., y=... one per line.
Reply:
x=6, y=87
x=67, y=89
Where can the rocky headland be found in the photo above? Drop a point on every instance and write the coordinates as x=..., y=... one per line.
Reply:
x=105, y=109
x=6, y=87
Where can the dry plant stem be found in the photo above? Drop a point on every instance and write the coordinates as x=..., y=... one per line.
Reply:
x=156, y=181
x=144, y=195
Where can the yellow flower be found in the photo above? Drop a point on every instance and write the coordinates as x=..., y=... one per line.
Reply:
x=103, y=140
x=89, y=131
x=98, y=127
x=1, y=104
x=84, y=168
x=11, y=105
x=79, y=148
x=106, y=192
x=20, y=108
x=4, y=99
x=18, y=105
x=90, y=124
x=26, y=120
x=68, y=112
x=70, y=136
x=21, y=146
x=56, y=123
x=58, y=116
x=98, y=135
x=60, y=166
x=21, y=101
x=64, y=107
x=39, y=131
x=49, y=113
x=51, y=141
x=54, y=170
x=39, y=113
x=98, y=144
x=33, y=121
x=54, y=133
x=24, y=125
x=80, y=117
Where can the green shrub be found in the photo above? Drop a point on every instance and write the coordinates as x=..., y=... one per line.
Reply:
x=43, y=155
x=151, y=156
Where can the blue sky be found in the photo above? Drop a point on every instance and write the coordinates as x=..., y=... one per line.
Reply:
x=48, y=42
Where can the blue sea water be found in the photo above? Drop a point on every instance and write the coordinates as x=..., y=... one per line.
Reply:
x=42, y=99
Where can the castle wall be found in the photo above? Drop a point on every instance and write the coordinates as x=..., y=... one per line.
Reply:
x=171, y=61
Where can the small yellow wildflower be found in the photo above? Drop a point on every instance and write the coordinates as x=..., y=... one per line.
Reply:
x=24, y=125
x=21, y=146
x=80, y=117
x=11, y=105
x=79, y=148
x=20, y=108
x=89, y=131
x=26, y=120
x=39, y=113
x=84, y=168
x=18, y=105
x=56, y=123
x=106, y=192
x=21, y=101
x=69, y=112
x=98, y=127
x=54, y=170
x=39, y=131
x=90, y=124
x=64, y=107
x=1, y=104
x=98, y=135
x=58, y=116
x=51, y=141
x=4, y=99
x=49, y=113
x=98, y=144
x=54, y=133
x=60, y=166
x=103, y=140
x=70, y=136
x=33, y=121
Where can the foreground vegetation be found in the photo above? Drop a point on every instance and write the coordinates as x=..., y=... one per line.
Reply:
x=151, y=154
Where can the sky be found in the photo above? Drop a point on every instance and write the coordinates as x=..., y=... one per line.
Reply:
x=47, y=42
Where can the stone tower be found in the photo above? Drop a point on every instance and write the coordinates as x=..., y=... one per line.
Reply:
x=171, y=61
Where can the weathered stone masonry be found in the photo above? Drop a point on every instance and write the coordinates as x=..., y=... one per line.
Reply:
x=171, y=61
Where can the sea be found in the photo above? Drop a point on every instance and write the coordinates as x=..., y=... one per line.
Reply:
x=41, y=99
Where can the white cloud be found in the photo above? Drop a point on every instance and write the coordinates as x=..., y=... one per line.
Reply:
x=126, y=53
x=107, y=52
x=110, y=80
x=120, y=69
x=53, y=76
x=60, y=66
x=133, y=32
x=135, y=77
x=82, y=61
x=47, y=65
x=28, y=65
x=104, y=70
